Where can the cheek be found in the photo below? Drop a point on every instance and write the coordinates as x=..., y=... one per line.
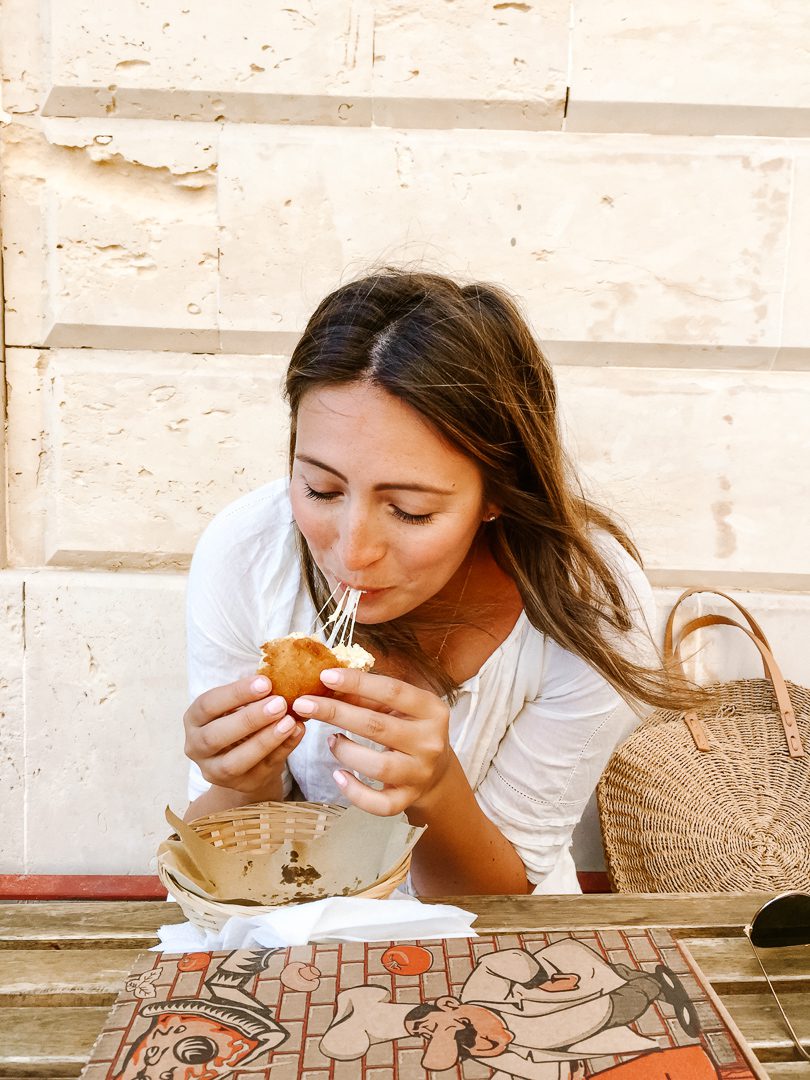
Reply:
x=311, y=520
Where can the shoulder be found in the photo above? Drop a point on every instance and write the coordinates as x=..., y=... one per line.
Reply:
x=247, y=554
x=261, y=520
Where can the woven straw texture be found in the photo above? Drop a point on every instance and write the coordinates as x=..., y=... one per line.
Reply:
x=736, y=818
x=262, y=827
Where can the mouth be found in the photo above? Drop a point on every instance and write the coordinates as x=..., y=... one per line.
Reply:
x=364, y=589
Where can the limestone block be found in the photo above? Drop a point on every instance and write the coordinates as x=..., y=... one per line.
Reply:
x=21, y=57
x=795, y=352
x=105, y=696
x=691, y=68
x=247, y=60
x=4, y=500
x=121, y=459
x=12, y=724
x=705, y=467
x=440, y=65
x=613, y=242
x=110, y=234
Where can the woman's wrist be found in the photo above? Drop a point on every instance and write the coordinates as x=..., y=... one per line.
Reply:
x=447, y=791
x=218, y=798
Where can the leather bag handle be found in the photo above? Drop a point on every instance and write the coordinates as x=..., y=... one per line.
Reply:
x=772, y=672
x=759, y=633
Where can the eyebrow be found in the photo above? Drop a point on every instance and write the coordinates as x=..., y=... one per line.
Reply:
x=377, y=487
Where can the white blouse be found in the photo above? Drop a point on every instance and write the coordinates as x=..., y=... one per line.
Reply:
x=533, y=729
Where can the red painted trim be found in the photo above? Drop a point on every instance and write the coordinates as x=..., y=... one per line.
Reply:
x=145, y=887
x=80, y=887
x=593, y=881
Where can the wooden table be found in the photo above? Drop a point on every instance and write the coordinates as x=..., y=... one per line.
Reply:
x=62, y=964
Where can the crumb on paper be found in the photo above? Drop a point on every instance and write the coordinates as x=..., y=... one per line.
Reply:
x=298, y=875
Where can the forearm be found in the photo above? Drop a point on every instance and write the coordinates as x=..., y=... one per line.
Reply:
x=461, y=851
x=216, y=799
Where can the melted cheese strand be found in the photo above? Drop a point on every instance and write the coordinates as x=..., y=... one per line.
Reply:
x=343, y=618
x=329, y=600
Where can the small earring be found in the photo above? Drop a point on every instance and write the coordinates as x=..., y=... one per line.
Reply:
x=491, y=517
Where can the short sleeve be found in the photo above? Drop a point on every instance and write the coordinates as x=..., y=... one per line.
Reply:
x=551, y=756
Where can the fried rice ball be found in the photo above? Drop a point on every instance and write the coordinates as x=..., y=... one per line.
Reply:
x=294, y=663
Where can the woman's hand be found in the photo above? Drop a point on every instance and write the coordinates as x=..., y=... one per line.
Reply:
x=410, y=724
x=241, y=738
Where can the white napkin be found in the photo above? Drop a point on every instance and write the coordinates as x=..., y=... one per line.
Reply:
x=338, y=918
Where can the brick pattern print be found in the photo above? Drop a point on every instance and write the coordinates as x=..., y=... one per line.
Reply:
x=304, y=1014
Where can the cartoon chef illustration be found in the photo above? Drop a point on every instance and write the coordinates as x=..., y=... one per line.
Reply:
x=530, y=1015
x=206, y=1039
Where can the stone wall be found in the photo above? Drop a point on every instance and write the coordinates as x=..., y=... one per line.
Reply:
x=183, y=181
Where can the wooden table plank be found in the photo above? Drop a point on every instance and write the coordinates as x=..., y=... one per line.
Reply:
x=84, y=924
x=730, y=962
x=694, y=914
x=788, y=1070
x=89, y=977
x=114, y=924
x=758, y=1017
x=44, y=977
x=47, y=1042
x=57, y=1041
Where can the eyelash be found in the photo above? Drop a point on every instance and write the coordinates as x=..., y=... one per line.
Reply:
x=400, y=515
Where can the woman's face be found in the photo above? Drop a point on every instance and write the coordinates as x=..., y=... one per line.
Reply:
x=384, y=503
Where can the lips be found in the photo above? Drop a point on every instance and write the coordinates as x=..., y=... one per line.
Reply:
x=366, y=590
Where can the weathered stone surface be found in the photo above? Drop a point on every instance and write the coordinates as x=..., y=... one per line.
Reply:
x=308, y=62
x=498, y=66
x=694, y=68
x=697, y=462
x=582, y=229
x=12, y=723
x=121, y=459
x=110, y=235
x=104, y=685
x=795, y=337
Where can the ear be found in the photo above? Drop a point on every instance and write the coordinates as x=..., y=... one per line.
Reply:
x=447, y=1004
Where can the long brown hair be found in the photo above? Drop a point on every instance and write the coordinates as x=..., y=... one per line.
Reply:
x=463, y=357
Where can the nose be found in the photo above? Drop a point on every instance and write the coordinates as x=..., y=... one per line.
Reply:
x=359, y=543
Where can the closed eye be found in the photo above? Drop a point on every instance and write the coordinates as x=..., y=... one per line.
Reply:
x=411, y=519
x=400, y=515
x=321, y=496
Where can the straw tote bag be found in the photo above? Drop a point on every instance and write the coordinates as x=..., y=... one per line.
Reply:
x=716, y=800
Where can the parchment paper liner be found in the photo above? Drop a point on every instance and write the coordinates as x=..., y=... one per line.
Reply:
x=355, y=852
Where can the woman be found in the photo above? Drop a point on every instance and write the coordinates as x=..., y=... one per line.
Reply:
x=509, y=616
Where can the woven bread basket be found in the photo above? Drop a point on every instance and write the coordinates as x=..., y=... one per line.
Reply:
x=716, y=800
x=262, y=827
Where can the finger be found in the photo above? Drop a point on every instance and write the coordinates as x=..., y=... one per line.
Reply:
x=393, y=694
x=384, y=802
x=257, y=776
x=368, y=723
x=230, y=768
x=225, y=699
x=387, y=766
x=225, y=731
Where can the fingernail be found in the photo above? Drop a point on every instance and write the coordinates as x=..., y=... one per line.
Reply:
x=339, y=778
x=287, y=724
x=305, y=707
x=260, y=685
x=332, y=739
x=332, y=677
x=273, y=705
